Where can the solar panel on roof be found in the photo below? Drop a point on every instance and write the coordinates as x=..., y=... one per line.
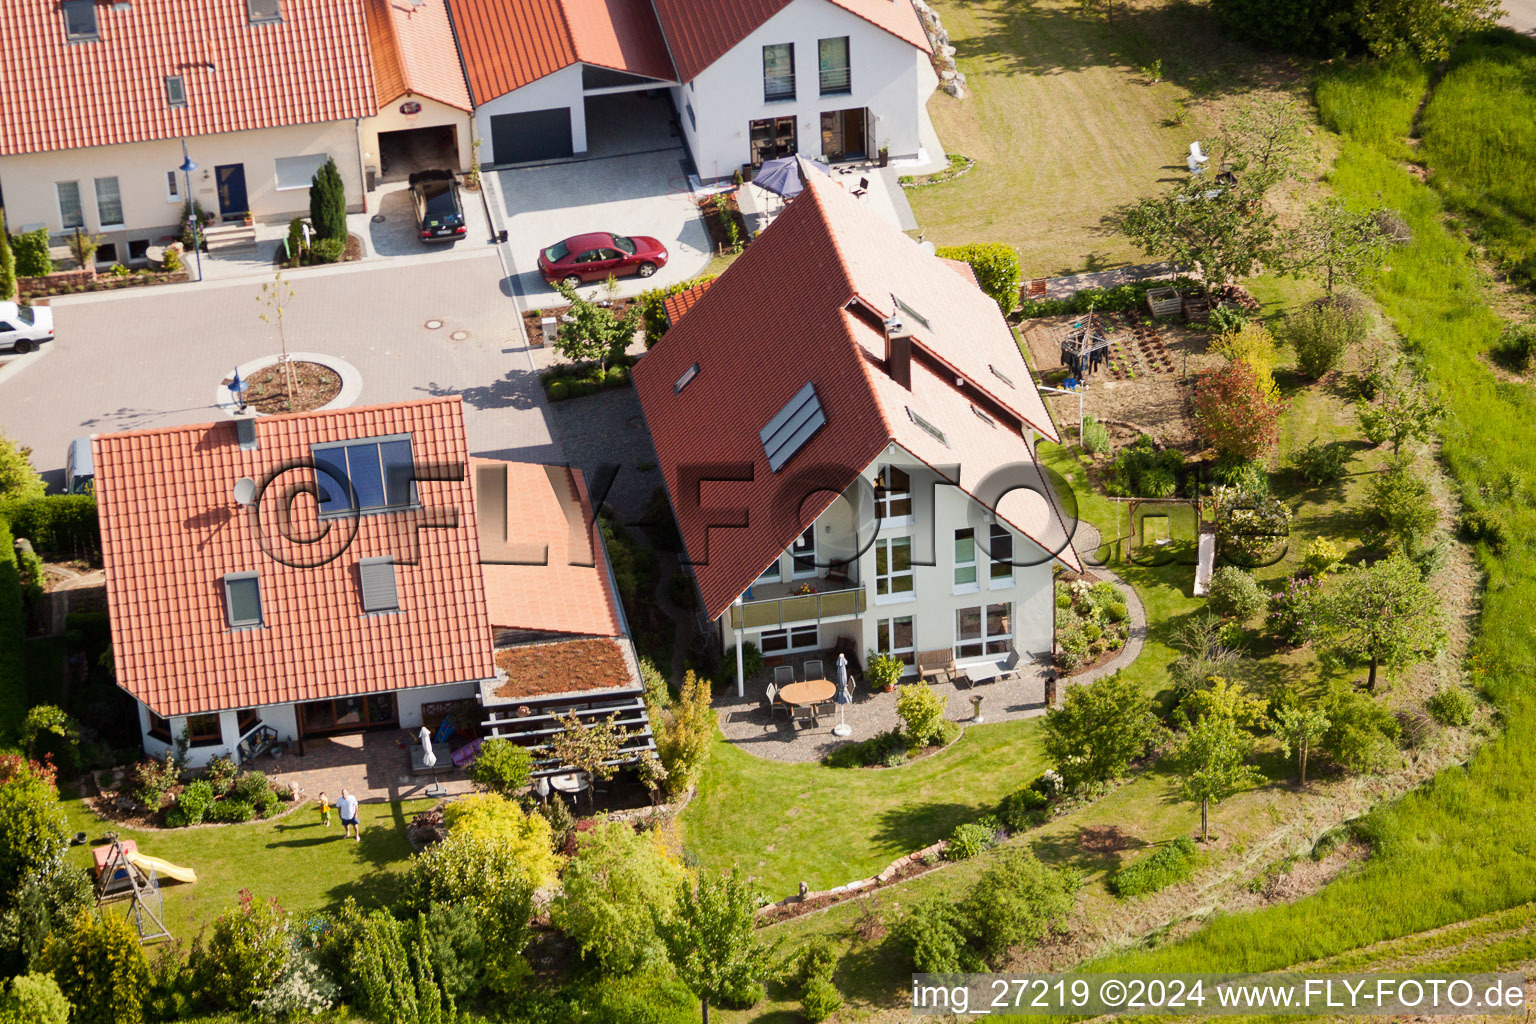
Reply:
x=792, y=426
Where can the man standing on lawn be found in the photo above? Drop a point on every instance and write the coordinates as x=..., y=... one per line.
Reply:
x=346, y=807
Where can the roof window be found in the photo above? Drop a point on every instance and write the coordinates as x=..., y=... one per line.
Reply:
x=242, y=600
x=377, y=576
x=685, y=379
x=938, y=435
x=367, y=475
x=792, y=427
x=175, y=90
x=914, y=314
x=999, y=375
x=988, y=420
x=263, y=11
x=80, y=21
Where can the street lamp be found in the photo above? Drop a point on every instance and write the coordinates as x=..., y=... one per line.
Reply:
x=186, y=169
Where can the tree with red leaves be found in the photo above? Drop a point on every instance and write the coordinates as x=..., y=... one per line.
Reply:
x=1233, y=413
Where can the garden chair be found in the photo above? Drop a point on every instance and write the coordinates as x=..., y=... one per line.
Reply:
x=772, y=704
x=805, y=712
x=783, y=675
x=862, y=190
x=814, y=669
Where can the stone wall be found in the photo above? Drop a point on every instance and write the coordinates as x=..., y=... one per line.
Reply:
x=951, y=78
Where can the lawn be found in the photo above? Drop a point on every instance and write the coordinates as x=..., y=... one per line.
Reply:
x=307, y=867
x=1065, y=127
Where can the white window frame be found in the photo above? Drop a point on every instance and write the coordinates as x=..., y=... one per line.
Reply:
x=1000, y=572
x=804, y=547
x=889, y=503
x=801, y=631
x=772, y=574
x=173, y=187
x=885, y=637
x=885, y=547
x=171, y=99
x=79, y=206
x=317, y=159
x=965, y=566
x=101, y=217
x=986, y=643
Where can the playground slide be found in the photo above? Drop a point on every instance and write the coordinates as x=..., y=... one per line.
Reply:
x=1207, y=560
x=163, y=868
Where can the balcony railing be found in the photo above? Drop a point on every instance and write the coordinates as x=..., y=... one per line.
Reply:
x=778, y=87
x=771, y=613
x=836, y=81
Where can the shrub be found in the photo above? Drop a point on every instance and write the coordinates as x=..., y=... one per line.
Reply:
x=922, y=710
x=996, y=266
x=192, y=805
x=220, y=774
x=56, y=524
x=887, y=748
x=935, y=936
x=1399, y=503
x=501, y=767
x=1095, y=437
x=1228, y=318
x=817, y=960
x=968, y=840
x=686, y=734
x=1252, y=344
x=819, y=1000
x=493, y=818
x=1517, y=348
x=1322, y=557
x=616, y=376
x=1023, y=809
x=1323, y=331
x=1098, y=730
x=328, y=250
x=378, y=971
x=1249, y=526
x=31, y=251
x=607, y=895
x=251, y=786
x=1016, y=901
x=1236, y=593
x=1244, y=475
x=36, y=999
x=883, y=670
x=558, y=390
x=751, y=659
x=328, y=205
x=100, y=967
x=247, y=951
x=1116, y=611
x=1234, y=413
x=1451, y=706
x=1362, y=735
x=455, y=948
x=1321, y=463
x=302, y=990
x=1479, y=523
x=651, y=998
x=230, y=811
x=1166, y=866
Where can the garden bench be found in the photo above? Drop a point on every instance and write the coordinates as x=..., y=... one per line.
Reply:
x=938, y=663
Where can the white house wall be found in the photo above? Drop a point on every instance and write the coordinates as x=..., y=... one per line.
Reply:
x=149, y=211
x=433, y=113
x=728, y=95
x=560, y=89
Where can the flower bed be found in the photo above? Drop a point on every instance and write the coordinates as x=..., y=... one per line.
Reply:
x=1092, y=622
x=267, y=388
x=722, y=214
x=576, y=380
x=69, y=282
x=958, y=166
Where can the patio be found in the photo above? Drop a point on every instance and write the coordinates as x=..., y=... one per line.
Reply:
x=374, y=766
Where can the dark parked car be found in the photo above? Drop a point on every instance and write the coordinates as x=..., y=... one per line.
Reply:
x=439, y=215
x=595, y=256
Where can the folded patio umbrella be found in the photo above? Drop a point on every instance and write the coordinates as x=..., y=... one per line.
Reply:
x=783, y=176
x=844, y=696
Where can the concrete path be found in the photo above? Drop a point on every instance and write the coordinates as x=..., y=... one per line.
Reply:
x=1520, y=15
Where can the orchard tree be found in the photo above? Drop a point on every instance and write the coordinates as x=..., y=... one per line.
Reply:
x=1299, y=726
x=1405, y=410
x=1098, y=731
x=1383, y=615
x=590, y=748
x=594, y=333
x=1211, y=760
x=1266, y=140
x=1234, y=414
x=1338, y=245
x=711, y=938
x=1223, y=231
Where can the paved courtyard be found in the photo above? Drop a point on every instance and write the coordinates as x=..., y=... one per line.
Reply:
x=154, y=357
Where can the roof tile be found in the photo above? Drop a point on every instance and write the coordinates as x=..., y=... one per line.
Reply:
x=414, y=52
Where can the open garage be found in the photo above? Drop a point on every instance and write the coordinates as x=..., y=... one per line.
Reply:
x=402, y=153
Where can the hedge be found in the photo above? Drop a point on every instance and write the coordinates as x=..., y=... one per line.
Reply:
x=1102, y=300
x=13, y=674
x=653, y=311
x=57, y=525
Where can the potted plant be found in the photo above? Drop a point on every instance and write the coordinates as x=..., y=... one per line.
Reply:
x=245, y=218
x=885, y=152
x=884, y=671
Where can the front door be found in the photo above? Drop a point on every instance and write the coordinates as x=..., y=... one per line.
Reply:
x=842, y=134
x=232, y=198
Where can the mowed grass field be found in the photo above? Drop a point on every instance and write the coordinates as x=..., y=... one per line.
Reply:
x=1064, y=125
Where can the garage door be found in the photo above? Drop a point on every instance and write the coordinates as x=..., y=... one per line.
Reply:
x=531, y=135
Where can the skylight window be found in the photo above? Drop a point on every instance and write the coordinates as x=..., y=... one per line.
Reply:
x=685, y=379
x=937, y=434
x=377, y=577
x=988, y=420
x=80, y=21
x=368, y=475
x=175, y=90
x=263, y=11
x=792, y=427
x=1000, y=375
x=242, y=600
x=914, y=314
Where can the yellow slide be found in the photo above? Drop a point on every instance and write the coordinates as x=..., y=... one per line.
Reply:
x=163, y=868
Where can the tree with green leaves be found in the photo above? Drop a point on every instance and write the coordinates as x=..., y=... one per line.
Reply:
x=17, y=477
x=1299, y=726
x=100, y=967
x=274, y=298
x=590, y=747
x=1266, y=140
x=1212, y=760
x=617, y=877
x=686, y=732
x=328, y=202
x=591, y=332
x=1224, y=232
x=1098, y=731
x=1422, y=29
x=996, y=266
x=711, y=938
x=1362, y=735
x=1405, y=411
x=1383, y=615
x=501, y=766
x=1400, y=503
x=1339, y=245
x=1234, y=414
x=7, y=264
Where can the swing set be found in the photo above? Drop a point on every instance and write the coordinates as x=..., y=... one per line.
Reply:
x=122, y=875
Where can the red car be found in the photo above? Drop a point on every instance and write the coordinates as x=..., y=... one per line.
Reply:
x=594, y=257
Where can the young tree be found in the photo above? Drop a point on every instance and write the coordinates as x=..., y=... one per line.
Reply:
x=996, y=266
x=274, y=299
x=686, y=733
x=1400, y=503
x=1361, y=735
x=1227, y=236
x=711, y=938
x=592, y=332
x=7, y=264
x=501, y=767
x=1212, y=761
x=1099, y=729
x=1339, y=245
x=1384, y=615
x=590, y=747
x=1406, y=410
x=1234, y=414
x=1299, y=726
x=608, y=892
x=328, y=202
x=17, y=477
x=1267, y=140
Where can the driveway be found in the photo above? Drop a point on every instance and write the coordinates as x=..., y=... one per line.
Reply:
x=154, y=357
x=392, y=230
x=635, y=182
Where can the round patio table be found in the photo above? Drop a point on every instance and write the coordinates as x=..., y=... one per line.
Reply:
x=570, y=783
x=812, y=691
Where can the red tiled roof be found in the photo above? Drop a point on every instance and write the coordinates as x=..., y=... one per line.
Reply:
x=171, y=530
x=777, y=319
x=312, y=66
x=676, y=305
x=700, y=32
x=414, y=52
x=509, y=43
x=547, y=519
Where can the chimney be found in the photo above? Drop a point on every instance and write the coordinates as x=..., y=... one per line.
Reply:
x=245, y=428
x=898, y=351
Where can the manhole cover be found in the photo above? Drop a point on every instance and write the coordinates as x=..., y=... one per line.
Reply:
x=378, y=218
x=432, y=325
x=459, y=335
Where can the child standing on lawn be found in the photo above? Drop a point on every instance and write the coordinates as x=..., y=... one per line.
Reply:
x=325, y=811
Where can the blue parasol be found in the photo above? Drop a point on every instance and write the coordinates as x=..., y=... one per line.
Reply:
x=844, y=696
x=783, y=176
